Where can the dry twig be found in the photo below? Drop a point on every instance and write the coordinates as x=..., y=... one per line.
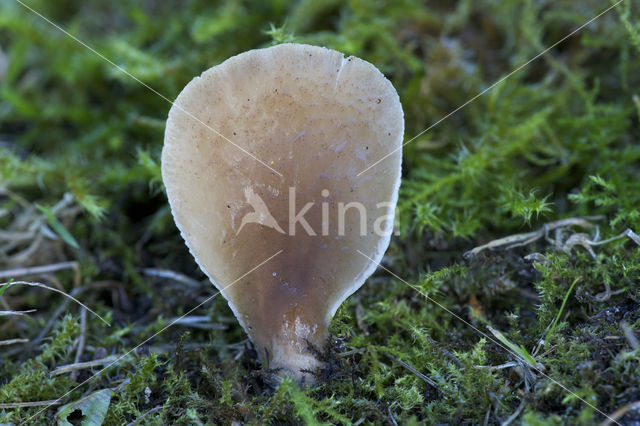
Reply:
x=12, y=342
x=581, y=239
x=38, y=270
x=71, y=368
x=30, y=404
x=81, y=341
x=34, y=284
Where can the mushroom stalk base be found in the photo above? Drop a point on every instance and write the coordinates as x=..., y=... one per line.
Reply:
x=294, y=354
x=298, y=365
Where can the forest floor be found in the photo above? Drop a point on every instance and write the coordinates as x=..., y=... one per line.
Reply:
x=540, y=328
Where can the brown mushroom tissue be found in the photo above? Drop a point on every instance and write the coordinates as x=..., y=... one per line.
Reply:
x=264, y=164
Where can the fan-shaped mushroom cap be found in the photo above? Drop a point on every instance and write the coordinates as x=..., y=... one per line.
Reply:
x=319, y=119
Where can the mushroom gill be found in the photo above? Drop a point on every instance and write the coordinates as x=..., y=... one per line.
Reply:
x=317, y=119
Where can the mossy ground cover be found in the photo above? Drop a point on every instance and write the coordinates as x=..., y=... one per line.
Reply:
x=542, y=333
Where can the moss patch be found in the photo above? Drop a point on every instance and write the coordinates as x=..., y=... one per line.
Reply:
x=80, y=189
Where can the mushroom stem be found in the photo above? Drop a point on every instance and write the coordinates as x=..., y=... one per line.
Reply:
x=295, y=356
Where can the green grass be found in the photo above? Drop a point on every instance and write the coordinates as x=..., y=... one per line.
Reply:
x=80, y=181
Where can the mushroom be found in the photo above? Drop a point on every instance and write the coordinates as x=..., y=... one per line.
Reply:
x=261, y=160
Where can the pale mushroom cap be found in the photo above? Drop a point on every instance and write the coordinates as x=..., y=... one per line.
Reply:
x=317, y=118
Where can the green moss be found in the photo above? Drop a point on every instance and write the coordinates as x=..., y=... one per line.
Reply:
x=559, y=138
